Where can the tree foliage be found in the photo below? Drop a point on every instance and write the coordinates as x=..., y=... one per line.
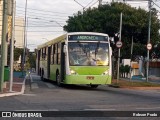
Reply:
x=17, y=53
x=106, y=19
x=32, y=59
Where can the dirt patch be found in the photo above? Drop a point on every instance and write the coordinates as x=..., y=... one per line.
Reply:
x=142, y=88
x=135, y=85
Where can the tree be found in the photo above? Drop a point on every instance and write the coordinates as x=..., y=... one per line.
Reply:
x=122, y=70
x=32, y=59
x=17, y=53
x=127, y=69
x=106, y=19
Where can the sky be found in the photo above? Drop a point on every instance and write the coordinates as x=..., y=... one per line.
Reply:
x=45, y=18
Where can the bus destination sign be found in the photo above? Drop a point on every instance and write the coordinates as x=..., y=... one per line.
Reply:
x=87, y=38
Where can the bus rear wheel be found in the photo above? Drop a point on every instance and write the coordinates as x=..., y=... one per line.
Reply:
x=94, y=86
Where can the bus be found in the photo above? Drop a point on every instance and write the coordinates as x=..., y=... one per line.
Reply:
x=77, y=58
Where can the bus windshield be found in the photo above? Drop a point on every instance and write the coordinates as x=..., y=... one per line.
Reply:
x=88, y=53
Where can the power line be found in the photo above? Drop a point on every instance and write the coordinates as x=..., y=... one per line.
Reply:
x=89, y=3
x=42, y=10
x=156, y=4
x=42, y=16
x=39, y=12
x=35, y=26
x=94, y=3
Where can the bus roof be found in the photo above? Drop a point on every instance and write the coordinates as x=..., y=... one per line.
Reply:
x=62, y=37
x=93, y=33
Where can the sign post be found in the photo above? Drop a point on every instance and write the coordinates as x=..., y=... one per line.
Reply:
x=119, y=44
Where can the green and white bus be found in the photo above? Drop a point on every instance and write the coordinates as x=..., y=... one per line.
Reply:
x=76, y=58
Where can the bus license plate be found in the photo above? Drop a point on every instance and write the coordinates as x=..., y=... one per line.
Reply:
x=90, y=77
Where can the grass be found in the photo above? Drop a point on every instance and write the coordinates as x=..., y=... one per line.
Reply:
x=125, y=83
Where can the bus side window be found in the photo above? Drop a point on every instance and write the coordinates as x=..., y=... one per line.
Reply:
x=58, y=53
x=40, y=54
x=46, y=53
x=55, y=53
x=51, y=58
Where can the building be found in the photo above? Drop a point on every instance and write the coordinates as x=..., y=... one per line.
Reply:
x=19, y=28
x=19, y=32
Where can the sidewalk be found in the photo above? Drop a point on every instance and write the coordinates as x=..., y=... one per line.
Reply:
x=150, y=80
x=17, y=88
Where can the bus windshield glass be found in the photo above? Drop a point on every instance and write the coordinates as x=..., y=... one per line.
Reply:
x=88, y=54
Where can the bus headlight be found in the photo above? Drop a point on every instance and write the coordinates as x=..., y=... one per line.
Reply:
x=73, y=72
x=106, y=72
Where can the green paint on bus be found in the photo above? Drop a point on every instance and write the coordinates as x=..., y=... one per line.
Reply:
x=89, y=70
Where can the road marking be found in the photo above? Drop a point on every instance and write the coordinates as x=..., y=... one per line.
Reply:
x=99, y=109
x=50, y=85
x=29, y=94
x=34, y=85
x=149, y=108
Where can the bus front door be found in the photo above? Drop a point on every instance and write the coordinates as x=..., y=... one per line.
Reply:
x=48, y=62
x=62, y=62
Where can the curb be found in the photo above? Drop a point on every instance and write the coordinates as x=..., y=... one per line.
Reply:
x=115, y=86
x=14, y=92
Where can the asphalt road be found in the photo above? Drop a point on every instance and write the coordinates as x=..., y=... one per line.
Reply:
x=46, y=96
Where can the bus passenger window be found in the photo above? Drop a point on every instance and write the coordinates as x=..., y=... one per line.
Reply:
x=55, y=54
x=58, y=53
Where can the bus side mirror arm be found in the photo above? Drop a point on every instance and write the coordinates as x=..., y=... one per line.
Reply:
x=65, y=48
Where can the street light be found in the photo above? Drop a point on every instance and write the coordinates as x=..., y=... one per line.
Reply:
x=56, y=22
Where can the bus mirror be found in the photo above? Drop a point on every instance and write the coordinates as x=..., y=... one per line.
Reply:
x=111, y=39
x=64, y=48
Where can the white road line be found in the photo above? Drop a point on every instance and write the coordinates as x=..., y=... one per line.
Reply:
x=50, y=85
x=99, y=109
x=29, y=94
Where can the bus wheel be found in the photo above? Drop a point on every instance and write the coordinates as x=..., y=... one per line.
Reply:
x=42, y=78
x=94, y=86
x=58, y=80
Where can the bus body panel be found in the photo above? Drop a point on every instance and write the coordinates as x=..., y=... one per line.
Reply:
x=53, y=70
x=89, y=70
x=43, y=66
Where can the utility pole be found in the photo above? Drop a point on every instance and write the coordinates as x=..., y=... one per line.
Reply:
x=131, y=59
x=3, y=43
x=12, y=45
x=24, y=45
x=119, y=52
x=100, y=2
x=149, y=32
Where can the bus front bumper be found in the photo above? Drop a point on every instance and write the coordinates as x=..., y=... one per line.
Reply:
x=87, y=79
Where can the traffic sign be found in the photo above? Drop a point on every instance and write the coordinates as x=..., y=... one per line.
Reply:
x=149, y=46
x=119, y=44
